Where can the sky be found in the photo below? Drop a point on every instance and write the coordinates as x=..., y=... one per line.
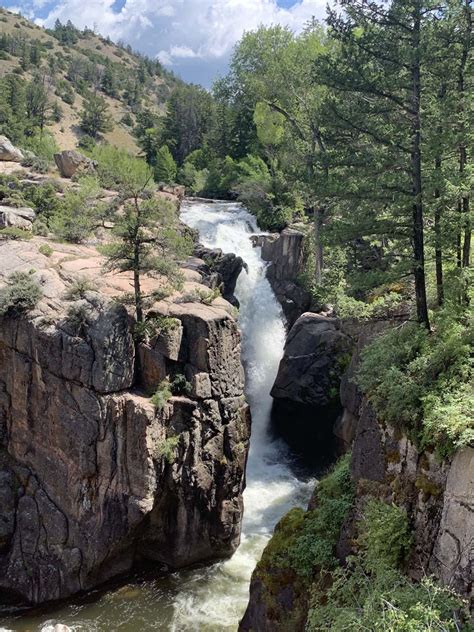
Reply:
x=194, y=38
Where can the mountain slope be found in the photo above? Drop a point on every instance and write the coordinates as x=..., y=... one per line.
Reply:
x=73, y=64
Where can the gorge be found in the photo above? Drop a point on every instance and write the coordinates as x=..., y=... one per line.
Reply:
x=215, y=597
x=236, y=324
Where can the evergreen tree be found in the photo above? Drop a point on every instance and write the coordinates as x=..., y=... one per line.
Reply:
x=147, y=239
x=37, y=102
x=95, y=117
x=165, y=166
x=377, y=78
x=188, y=119
x=109, y=81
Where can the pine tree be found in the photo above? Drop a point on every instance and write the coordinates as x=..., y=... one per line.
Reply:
x=377, y=79
x=165, y=166
x=95, y=117
x=146, y=234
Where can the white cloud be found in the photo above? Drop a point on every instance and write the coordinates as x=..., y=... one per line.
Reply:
x=184, y=31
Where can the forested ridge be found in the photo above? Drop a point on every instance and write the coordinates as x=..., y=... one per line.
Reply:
x=63, y=86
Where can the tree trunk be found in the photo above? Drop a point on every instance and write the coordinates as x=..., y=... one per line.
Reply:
x=438, y=240
x=318, y=246
x=464, y=251
x=466, y=254
x=417, y=208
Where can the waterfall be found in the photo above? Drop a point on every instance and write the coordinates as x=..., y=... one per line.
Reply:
x=217, y=600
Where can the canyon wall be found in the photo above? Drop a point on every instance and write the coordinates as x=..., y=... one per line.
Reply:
x=284, y=253
x=94, y=478
x=438, y=495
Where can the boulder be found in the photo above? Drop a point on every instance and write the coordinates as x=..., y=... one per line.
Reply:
x=8, y=151
x=316, y=354
x=306, y=389
x=69, y=162
x=17, y=217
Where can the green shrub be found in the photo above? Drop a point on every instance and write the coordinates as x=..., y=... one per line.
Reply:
x=313, y=548
x=161, y=395
x=127, y=119
x=42, y=145
x=371, y=592
x=36, y=164
x=40, y=228
x=87, y=143
x=180, y=385
x=153, y=326
x=21, y=294
x=304, y=542
x=420, y=381
x=44, y=199
x=384, y=535
x=167, y=449
x=79, y=288
x=79, y=213
x=12, y=232
x=77, y=318
x=448, y=419
x=388, y=602
x=46, y=250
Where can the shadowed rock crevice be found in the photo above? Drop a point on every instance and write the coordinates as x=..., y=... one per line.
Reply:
x=306, y=390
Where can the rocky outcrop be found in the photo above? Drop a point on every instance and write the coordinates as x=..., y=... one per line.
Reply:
x=17, y=217
x=437, y=494
x=218, y=269
x=306, y=389
x=8, y=151
x=93, y=478
x=285, y=253
x=452, y=558
x=69, y=162
x=178, y=190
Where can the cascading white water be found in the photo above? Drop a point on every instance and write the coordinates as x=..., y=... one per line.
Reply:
x=272, y=488
x=213, y=598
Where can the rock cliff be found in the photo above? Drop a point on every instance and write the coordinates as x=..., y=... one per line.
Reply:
x=438, y=495
x=285, y=253
x=306, y=390
x=94, y=479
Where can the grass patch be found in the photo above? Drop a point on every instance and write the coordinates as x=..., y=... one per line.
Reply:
x=46, y=250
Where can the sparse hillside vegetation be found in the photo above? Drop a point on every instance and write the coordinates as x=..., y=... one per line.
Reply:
x=50, y=77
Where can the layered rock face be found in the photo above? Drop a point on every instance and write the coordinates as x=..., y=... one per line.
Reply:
x=306, y=390
x=438, y=495
x=219, y=270
x=93, y=479
x=285, y=254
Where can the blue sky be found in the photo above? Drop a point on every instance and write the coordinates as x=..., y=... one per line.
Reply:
x=192, y=37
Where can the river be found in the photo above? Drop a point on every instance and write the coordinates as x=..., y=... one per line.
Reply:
x=213, y=598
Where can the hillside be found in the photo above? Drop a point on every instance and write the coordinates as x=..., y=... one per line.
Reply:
x=71, y=65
